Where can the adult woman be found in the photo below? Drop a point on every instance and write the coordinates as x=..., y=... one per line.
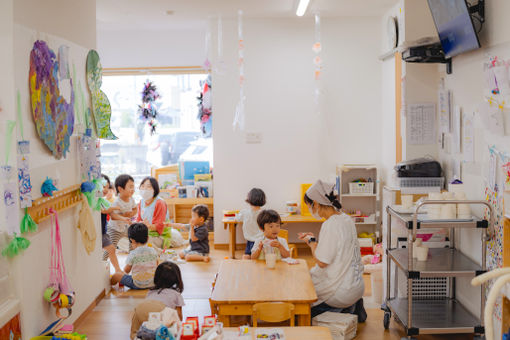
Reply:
x=152, y=210
x=337, y=275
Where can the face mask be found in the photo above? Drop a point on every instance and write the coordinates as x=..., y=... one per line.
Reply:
x=314, y=214
x=147, y=194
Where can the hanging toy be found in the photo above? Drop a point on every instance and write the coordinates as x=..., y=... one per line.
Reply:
x=27, y=224
x=89, y=189
x=48, y=187
x=16, y=246
x=148, y=111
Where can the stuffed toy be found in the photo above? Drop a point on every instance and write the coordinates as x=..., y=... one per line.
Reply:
x=376, y=258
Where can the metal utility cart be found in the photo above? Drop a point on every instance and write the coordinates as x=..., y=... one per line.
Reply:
x=430, y=315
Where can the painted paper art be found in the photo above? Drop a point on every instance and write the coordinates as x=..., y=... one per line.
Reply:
x=11, y=211
x=52, y=114
x=100, y=103
x=12, y=329
x=24, y=184
x=90, y=166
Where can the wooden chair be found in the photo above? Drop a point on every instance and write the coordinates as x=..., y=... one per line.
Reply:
x=273, y=312
x=284, y=233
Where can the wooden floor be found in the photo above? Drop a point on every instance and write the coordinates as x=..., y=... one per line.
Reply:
x=111, y=318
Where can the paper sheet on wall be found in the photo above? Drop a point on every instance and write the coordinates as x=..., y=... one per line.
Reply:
x=444, y=111
x=457, y=113
x=468, y=136
x=90, y=166
x=493, y=165
x=492, y=116
x=11, y=211
x=420, y=124
x=24, y=184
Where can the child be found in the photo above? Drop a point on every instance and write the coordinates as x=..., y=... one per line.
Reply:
x=269, y=222
x=142, y=260
x=256, y=199
x=198, y=249
x=167, y=291
x=107, y=242
x=125, y=186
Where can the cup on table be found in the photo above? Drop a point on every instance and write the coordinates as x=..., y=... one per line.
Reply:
x=422, y=253
x=270, y=260
x=417, y=243
x=407, y=201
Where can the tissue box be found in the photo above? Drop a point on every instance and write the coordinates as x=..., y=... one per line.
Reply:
x=342, y=326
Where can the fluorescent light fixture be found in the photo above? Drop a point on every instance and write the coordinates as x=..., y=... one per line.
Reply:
x=301, y=8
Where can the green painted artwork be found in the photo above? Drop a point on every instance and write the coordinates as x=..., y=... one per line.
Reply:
x=101, y=108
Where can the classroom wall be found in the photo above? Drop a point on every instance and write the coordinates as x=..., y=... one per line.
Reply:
x=30, y=270
x=151, y=48
x=299, y=145
x=467, y=84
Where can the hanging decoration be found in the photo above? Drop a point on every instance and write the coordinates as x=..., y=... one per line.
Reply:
x=205, y=107
x=148, y=111
x=239, y=116
x=53, y=116
x=87, y=227
x=317, y=61
x=219, y=66
x=207, y=63
x=24, y=184
x=90, y=153
x=100, y=103
x=48, y=187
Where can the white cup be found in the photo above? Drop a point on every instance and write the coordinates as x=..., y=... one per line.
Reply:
x=422, y=253
x=416, y=244
x=407, y=201
x=270, y=260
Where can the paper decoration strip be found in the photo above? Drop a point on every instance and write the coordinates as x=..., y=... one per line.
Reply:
x=63, y=57
x=24, y=184
x=11, y=211
x=100, y=103
x=239, y=115
x=53, y=116
x=90, y=166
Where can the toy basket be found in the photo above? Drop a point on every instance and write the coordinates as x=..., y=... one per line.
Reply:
x=361, y=188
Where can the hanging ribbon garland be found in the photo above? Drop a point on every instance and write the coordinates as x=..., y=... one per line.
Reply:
x=239, y=117
x=317, y=61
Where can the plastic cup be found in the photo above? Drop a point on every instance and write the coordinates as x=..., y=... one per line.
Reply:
x=422, y=253
x=407, y=201
x=270, y=260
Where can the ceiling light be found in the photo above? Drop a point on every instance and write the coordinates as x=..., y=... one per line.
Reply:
x=301, y=9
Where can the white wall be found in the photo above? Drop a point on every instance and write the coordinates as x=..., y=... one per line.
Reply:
x=298, y=146
x=147, y=48
x=22, y=22
x=467, y=84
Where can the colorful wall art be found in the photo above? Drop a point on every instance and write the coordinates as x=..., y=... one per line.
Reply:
x=53, y=115
x=100, y=103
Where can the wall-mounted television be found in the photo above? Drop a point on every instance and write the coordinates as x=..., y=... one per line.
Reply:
x=454, y=26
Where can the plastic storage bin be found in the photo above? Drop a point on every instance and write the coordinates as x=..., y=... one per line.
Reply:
x=361, y=188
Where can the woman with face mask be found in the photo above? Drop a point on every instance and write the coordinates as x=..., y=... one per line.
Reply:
x=152, y=211
x=337, y=275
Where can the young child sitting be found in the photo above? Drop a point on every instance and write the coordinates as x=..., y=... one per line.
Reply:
x=198, y=249
x=269, y=222
x=167, y=290
x=256, y=199
x=142, y=260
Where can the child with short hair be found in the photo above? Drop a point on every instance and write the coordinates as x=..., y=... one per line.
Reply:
x=269, y=222
x=198, y=249
x=106, y=240
x=167, y=290
x=141, y=261
x=256, y=198
x=119, y=220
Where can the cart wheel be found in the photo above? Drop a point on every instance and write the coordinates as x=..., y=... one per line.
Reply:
x=479, y=337
x=386, y=320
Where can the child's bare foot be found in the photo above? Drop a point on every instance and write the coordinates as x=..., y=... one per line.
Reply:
x=207, y=259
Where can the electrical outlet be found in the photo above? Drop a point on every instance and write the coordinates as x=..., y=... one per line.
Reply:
x=253, y=137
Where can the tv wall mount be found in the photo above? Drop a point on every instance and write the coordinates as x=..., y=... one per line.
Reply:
x=479, y=9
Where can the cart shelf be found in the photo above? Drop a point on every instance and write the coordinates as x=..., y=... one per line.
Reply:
x=442, y=262
x=423, y=222
x=435, y=316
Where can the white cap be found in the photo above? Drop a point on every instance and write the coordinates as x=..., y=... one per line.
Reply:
x=320, y=191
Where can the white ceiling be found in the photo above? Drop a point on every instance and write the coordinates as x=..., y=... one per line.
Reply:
x=194, y=14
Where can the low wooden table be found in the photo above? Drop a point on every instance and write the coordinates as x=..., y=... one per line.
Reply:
x=242, y=283
x=232, y=225
x=291, y=333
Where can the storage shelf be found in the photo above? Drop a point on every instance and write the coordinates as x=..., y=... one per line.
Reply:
x=435, y=316
x=442, y=262
x=423, y=222
x=359, y=195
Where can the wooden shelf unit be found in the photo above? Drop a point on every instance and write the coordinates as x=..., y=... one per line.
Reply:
x=179, y=209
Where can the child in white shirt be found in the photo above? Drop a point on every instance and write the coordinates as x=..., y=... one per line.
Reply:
x=269, y=222
x=256, y=199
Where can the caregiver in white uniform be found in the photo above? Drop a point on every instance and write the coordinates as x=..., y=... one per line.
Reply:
x=337, y=275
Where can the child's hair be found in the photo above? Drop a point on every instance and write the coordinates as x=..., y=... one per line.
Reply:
x=201, y=210
x=121, y=181
x=107, y=179
x=168, y=275
x=154, y=184
x=256, y=197
x=331, y=197
x=268, y=216
x=138, y=232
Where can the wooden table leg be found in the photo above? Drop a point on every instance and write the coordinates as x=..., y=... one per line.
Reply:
x=304, y=319
x=225, y=319
x=232, y=243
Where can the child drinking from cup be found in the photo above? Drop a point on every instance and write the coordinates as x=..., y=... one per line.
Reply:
x=269, y=222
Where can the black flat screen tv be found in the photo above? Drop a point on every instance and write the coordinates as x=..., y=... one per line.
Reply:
x=454, y=26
